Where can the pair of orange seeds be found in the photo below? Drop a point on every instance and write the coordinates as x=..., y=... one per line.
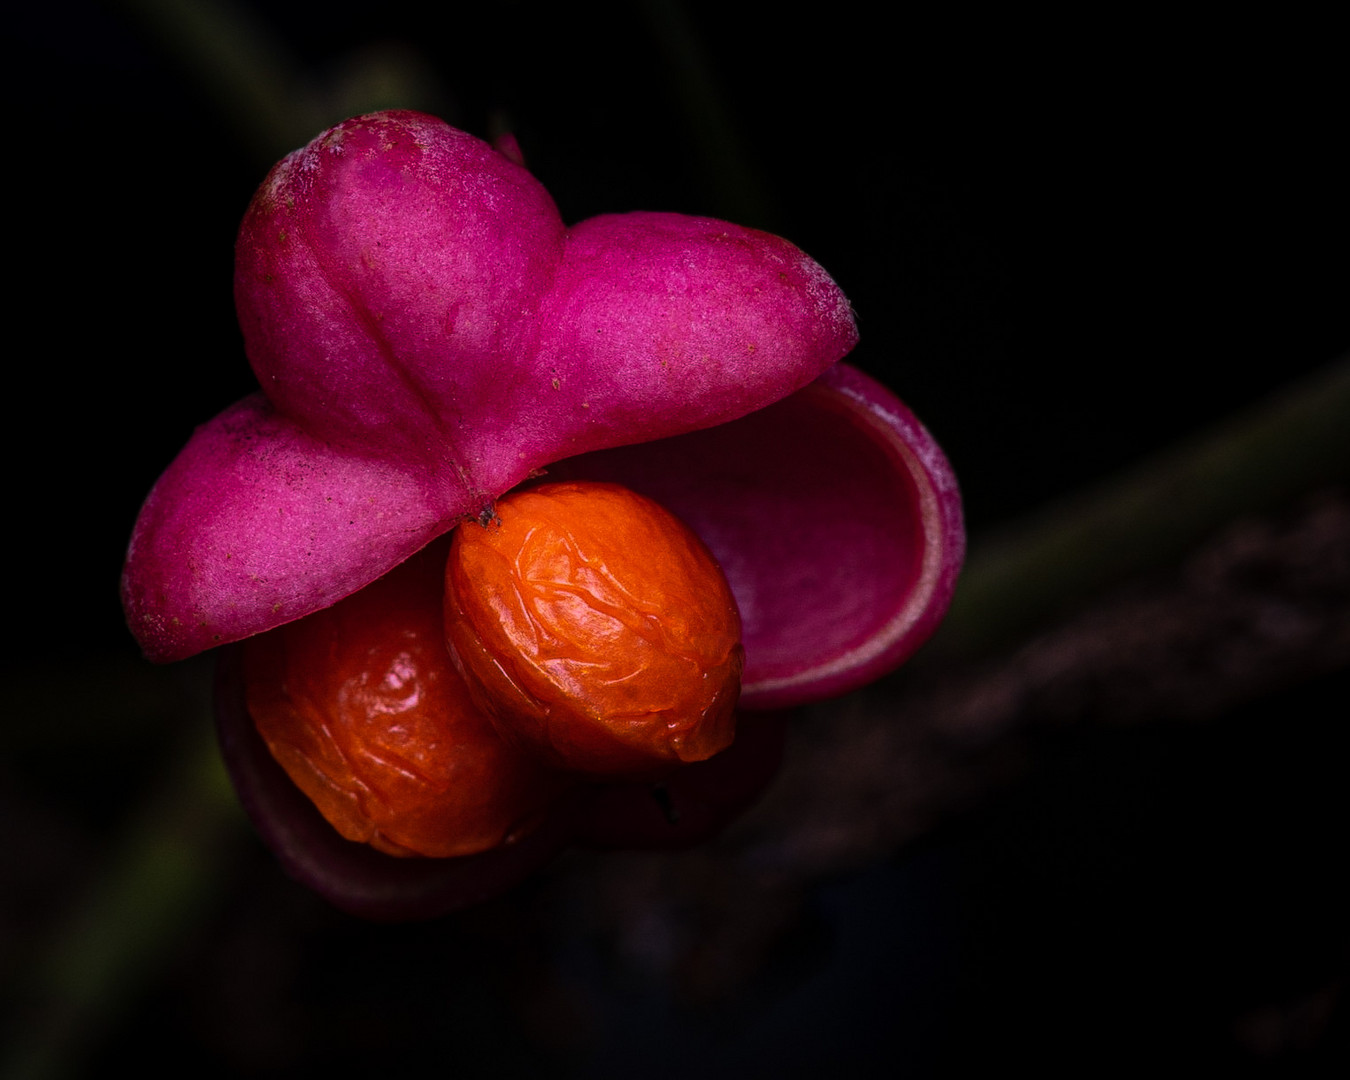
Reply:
x=583, y=632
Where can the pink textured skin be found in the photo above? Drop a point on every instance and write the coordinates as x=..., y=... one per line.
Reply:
x=426, y=334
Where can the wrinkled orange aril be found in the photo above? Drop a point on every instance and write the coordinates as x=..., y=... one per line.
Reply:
x=363, y=709
x=596, y=629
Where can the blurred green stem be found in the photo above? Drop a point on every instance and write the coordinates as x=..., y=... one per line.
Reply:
x=162, y=877
x=1150, y=514
x=725, y=163
x=244, y=68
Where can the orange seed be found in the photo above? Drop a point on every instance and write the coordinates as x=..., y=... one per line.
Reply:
x=362, y=707
x=596, y=629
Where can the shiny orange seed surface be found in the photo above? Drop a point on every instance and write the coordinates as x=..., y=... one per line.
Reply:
x=363, y=709
x=595, y=628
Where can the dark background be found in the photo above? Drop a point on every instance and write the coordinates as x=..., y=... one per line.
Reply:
x=1069, y=244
